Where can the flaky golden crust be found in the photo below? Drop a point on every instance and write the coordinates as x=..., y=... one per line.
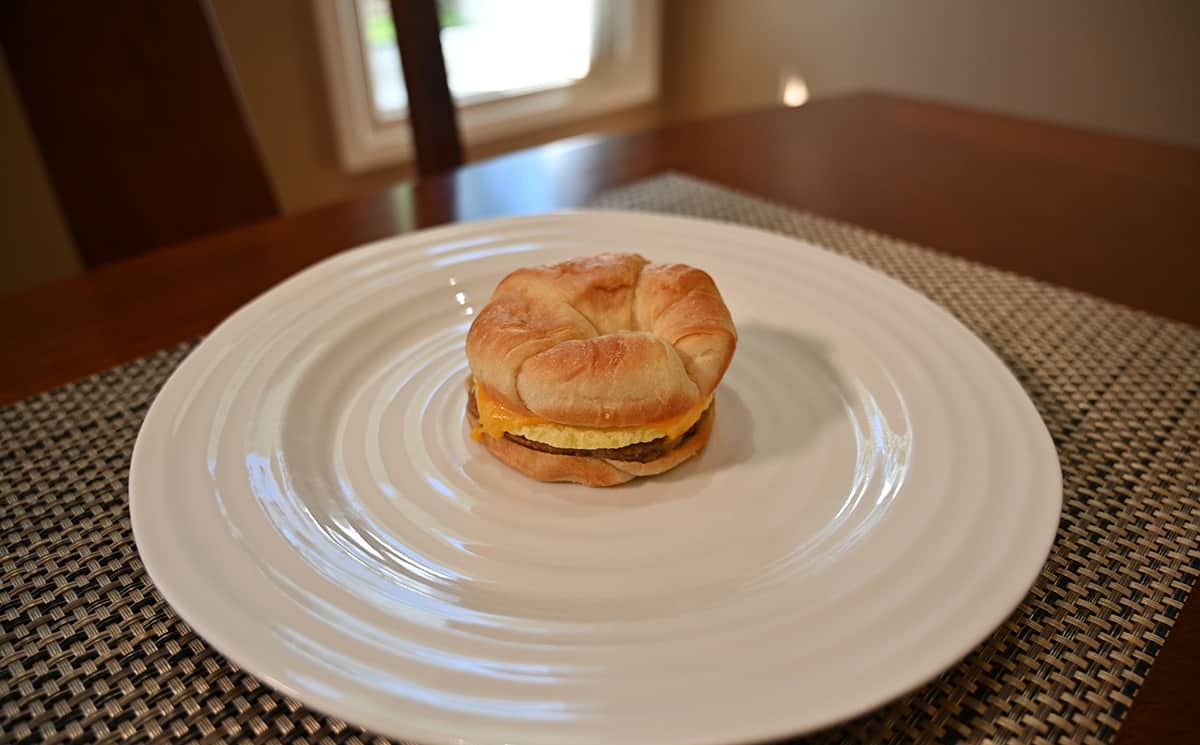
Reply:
x=604, y=341
x=592, y=471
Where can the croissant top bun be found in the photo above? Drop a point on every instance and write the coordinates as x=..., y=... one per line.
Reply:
x=605, y=341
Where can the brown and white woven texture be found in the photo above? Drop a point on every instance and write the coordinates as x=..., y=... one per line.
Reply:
x=90, y=652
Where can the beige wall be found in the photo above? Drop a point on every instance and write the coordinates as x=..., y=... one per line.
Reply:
x=1113, y=64
x=34, y=243
x=1119, y=65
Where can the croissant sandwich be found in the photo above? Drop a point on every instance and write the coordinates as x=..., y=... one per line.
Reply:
x=598, y=370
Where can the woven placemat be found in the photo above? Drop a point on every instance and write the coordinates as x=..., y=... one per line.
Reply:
x=89, y=651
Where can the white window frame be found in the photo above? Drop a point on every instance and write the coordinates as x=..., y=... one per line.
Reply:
x=624, y=73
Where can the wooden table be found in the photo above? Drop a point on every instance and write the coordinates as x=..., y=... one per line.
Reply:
x=1113, y=216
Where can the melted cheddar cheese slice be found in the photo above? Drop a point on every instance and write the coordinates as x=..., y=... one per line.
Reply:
x=495, y=419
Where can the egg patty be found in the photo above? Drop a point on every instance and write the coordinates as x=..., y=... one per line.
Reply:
x=495, y=420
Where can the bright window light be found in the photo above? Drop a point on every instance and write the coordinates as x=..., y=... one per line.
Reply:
x=492, y=48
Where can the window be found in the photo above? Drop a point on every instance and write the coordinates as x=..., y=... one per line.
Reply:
x=513, y=66
x=491, y=50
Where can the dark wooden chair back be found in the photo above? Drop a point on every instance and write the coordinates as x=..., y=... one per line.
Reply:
x=137, y=119
x=139, y=122
x=430, y=105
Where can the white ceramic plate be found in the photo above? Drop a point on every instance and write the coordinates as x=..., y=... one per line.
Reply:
x=877, y=496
